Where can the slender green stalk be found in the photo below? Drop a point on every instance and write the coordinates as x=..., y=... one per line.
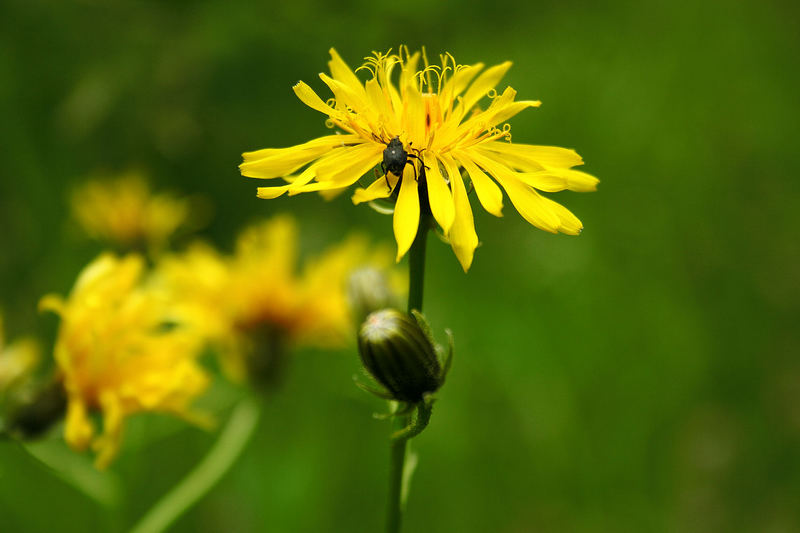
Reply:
x=198, y=482
x=416, y=266
x=399, y=447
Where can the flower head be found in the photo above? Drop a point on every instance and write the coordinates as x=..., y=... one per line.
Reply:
x=124, y=212
x=431, y=114
x=260, y=288
x=120, y=354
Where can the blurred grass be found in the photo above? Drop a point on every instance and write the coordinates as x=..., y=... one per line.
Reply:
x=642, y=377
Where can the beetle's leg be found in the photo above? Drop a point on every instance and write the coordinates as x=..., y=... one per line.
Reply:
x=416, y=177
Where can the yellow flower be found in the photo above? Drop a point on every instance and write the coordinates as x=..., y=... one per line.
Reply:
x=123, y=211
x=435, y=115
x=120, y=354
x=260, y=288
x=18, y=360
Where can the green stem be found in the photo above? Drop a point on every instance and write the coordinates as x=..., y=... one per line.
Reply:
x=398, y=451
x=198, y=482
x=399, y=447
x=416, y=266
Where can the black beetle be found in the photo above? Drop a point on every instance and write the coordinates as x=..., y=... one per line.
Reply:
x=395, y=158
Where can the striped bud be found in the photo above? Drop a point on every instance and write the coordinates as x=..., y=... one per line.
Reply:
x=399, y=355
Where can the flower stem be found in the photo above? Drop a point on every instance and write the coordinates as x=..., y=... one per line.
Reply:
x=416, y=266
x=229, y=446
x=399, y=447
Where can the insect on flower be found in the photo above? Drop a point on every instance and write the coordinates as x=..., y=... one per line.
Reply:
x=439, y=110
x=395, y=159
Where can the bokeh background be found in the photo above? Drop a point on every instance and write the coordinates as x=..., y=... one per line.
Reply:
x=641, y=377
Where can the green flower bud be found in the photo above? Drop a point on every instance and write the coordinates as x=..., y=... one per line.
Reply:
x=34, y=410
x=368, y=291
x=399, y=355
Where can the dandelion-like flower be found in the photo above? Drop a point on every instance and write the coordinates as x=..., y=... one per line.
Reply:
x=124, y=212
x=260, y=288
x=424, y=129
x=119, y=354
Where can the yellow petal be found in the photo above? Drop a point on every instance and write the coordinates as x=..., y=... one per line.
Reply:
x=295, y=182
x=569, y=222
x=378, y=189
x=326, y=141
x=414, y=113
x=462, y=236
x=332, y=192
x=489, y=194
x=345, y=95
x=501, y=109
x=317, y=186
x=456, y=84
x=382, y=102
x=51, y=302
x=531, y=205
x=107, y=445
x=276, y=163
x=482, y=85
x=576, y=180
x=552, y=156
x=78, y=428
x=307, y=95
x=527, y=201
x=351, y=166
x=543, y=180
x=439, y=196
x=343, y=73
x=269, y=193
x=406, y=213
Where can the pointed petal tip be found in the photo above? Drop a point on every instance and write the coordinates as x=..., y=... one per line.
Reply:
x=268, y=193
x=466, y=264
x=51, y=302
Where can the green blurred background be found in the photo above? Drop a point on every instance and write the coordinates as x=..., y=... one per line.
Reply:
x=641, y=377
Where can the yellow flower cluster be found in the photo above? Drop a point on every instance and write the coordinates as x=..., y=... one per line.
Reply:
x=125, y=213
x=260, y=288
x=433, y=113
x=120, y=354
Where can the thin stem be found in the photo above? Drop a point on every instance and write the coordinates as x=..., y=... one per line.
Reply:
x=416, y=265
x=198, y=482
x=399, y=447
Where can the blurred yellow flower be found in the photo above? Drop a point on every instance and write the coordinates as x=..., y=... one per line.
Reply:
x=120, y=354
x=258, y=289
x=124, y=212
x=440, y=130
x=18, y=361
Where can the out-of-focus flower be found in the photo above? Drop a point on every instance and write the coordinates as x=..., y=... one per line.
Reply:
x=124, y=212
x=120, y=353
x=259, y=294
x=368, y=290
x=424, y=132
